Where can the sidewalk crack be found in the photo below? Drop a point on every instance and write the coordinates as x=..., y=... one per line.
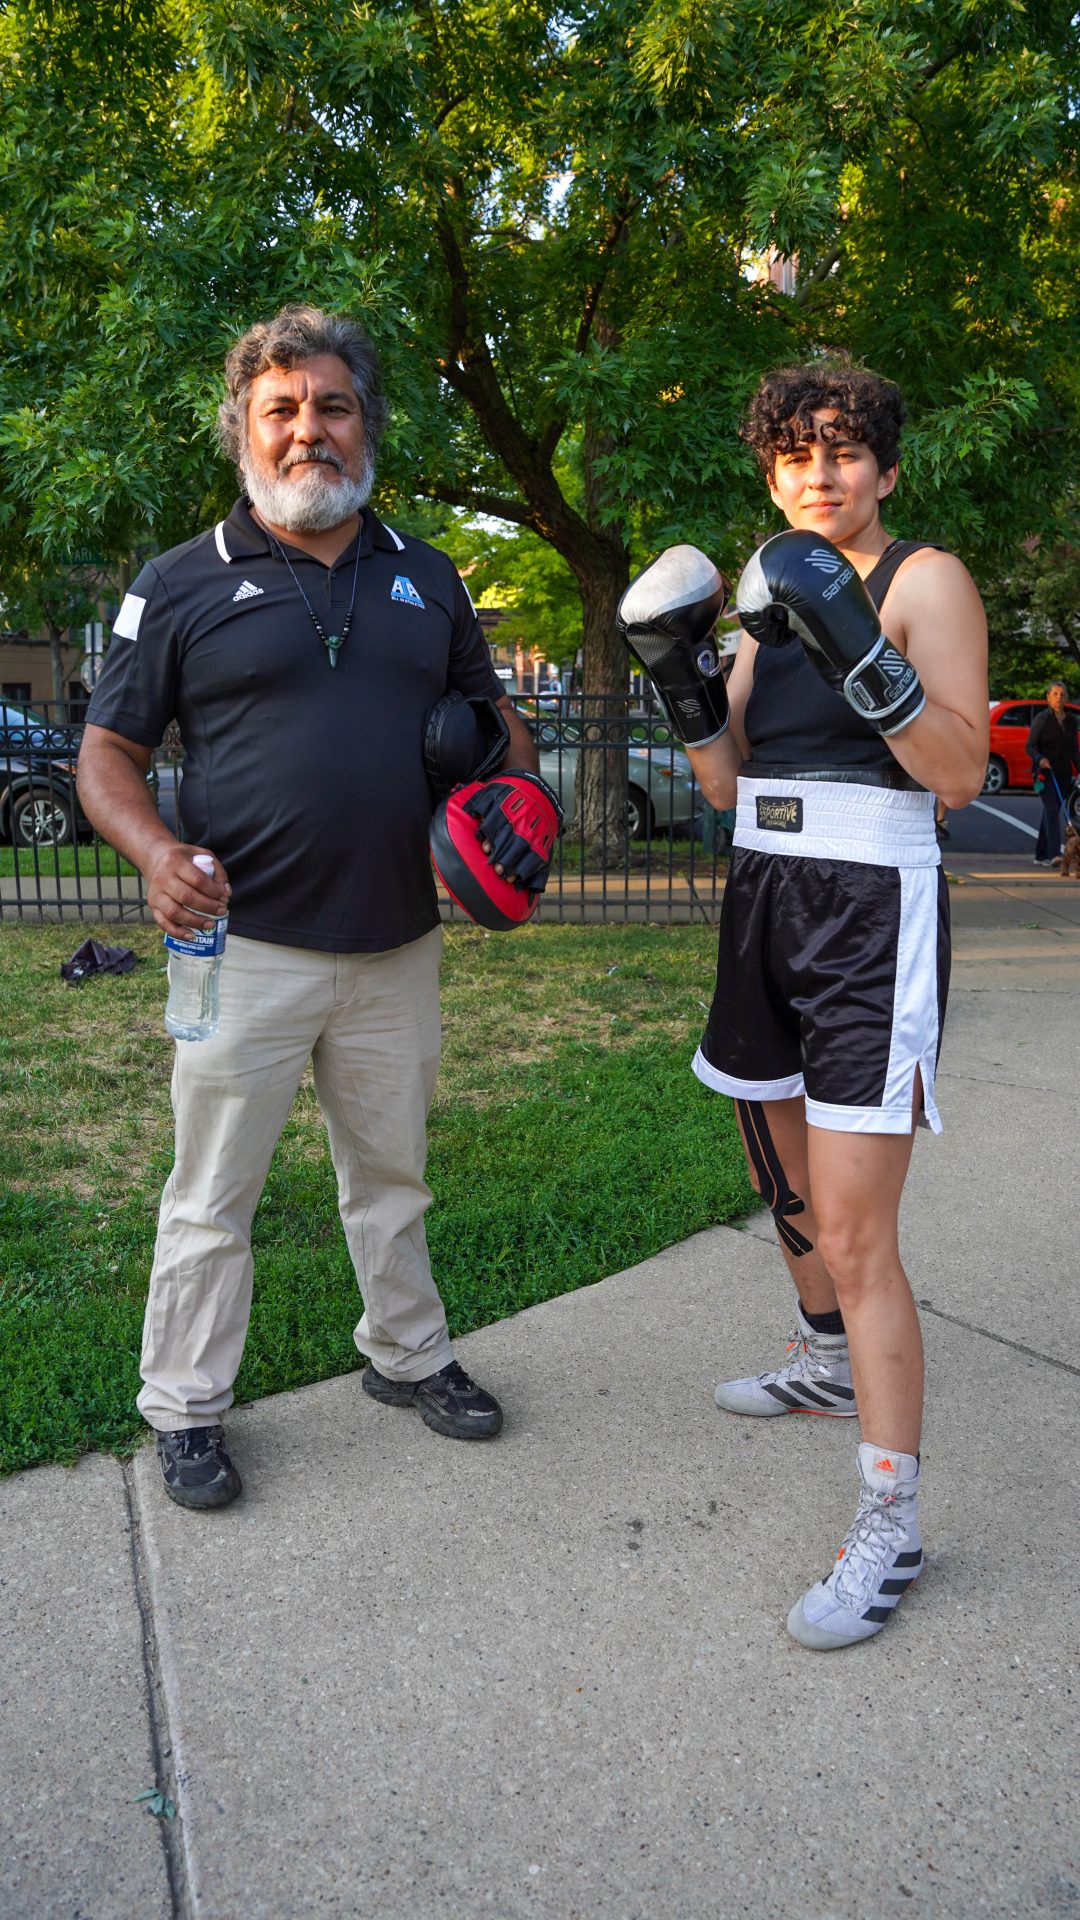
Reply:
x=161, y=1744
x=1017, y=1346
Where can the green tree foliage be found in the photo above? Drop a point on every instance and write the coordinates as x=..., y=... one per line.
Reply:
x=1034, y=614
x=43, y=601
x=547, y=218
x=508, y=568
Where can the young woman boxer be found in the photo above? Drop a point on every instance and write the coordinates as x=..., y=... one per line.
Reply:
x=834, y=936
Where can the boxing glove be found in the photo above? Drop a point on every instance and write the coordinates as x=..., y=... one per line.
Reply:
x=800, y=584
x=667, y=619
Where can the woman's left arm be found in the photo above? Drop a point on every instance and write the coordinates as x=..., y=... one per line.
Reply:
x=934, y=615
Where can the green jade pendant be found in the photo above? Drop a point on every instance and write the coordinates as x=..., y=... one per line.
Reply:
x=334, y=644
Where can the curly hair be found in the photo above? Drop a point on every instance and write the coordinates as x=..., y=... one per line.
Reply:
x=295, y=335
x=868, y=408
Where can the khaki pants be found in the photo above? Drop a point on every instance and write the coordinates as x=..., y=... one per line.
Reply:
x=370, y=1024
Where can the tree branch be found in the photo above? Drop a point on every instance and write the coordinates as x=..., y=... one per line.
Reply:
x=550, y=437
x=617, y=227
x=813, y=279
x=444, y=111
x=934, y=67
x=468, y=368
x=479, y=502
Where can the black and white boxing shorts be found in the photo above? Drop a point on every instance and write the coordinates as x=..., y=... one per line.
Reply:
x=834, y=954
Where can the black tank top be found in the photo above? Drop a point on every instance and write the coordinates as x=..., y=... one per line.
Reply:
x=794, y=723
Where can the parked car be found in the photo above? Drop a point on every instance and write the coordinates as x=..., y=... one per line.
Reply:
x=38, y=803
x=23, y=730
x=661, y=795
x=1010, y=723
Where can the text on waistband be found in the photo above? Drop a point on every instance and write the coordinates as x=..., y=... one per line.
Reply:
x=777, y=815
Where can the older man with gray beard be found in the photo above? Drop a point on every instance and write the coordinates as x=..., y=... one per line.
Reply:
x=299, y=646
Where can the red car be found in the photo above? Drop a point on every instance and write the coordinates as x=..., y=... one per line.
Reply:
x=1010, y=722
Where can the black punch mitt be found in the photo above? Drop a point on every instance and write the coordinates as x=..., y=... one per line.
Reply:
x=465, y=738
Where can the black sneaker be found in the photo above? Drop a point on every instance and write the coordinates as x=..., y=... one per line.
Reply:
x=449, y=1401
x=196, y=1468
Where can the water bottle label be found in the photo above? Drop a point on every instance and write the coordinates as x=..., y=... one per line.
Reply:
x=206, y=945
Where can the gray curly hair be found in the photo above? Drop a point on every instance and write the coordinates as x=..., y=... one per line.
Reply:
x=294, y=335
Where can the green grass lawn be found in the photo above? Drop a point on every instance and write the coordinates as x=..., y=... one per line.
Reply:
x=568, y=1140
x=92, y=859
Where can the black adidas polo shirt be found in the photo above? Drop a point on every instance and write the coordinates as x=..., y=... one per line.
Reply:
x=307, y=781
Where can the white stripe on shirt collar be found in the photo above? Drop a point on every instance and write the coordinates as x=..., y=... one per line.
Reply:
x=219, y=540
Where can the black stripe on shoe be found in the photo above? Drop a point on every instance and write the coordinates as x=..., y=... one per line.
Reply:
x=878, y=1614
x=819, y=1399
x=781, y=1394
x=909, y=1559
x=896, y=1586
x=803, y=1399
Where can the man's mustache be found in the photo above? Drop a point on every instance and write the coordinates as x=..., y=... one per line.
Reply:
x=314, y=456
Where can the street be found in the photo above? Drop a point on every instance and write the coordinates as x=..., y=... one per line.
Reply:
x=1006, y=823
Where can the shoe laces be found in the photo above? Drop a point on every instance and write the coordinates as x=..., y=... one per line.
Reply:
x=196, y=1441
x=794, y=1356
x=802, y=1359
x=454, y=1375
x=879, y=1526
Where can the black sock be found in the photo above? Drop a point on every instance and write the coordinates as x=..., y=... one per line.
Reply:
x=823, y=1322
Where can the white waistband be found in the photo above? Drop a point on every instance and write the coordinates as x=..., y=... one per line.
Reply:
x=832, y=820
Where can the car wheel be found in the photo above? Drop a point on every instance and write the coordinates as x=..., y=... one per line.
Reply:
x=996, y=776
x=639, y=814
x=39, y=818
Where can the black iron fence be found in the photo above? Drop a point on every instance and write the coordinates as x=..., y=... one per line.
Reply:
x=643, y=846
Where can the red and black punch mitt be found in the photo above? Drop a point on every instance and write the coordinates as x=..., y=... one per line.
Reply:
x=520, y=816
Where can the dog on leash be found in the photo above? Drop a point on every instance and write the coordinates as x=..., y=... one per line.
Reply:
x=1070, y=859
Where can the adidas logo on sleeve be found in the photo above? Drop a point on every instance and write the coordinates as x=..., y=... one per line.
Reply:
x=246, y=591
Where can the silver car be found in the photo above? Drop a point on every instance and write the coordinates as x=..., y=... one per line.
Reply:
x=661, y=794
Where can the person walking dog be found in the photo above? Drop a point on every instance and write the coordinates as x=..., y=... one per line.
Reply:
x=1055, y=759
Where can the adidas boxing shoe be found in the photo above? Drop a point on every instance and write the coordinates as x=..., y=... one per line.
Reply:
x=814, y=1378
x=881, y=1556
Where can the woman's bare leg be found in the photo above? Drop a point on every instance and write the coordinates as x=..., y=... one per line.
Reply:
x=774, y=1137
x=856, y=1180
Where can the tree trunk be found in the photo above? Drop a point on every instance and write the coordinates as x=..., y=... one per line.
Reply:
x=602, y=765
x=56, y=649
x=1068, y=637
x=602, y=787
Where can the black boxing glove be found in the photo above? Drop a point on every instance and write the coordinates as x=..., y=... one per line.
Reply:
x=522, y=818
x=800, y=584
x=464, y=739
x=667, y=619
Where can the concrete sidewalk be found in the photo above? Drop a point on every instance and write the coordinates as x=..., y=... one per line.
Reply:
x=550, y=1676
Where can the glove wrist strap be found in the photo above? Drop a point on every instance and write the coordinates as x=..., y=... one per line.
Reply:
x=526, y=773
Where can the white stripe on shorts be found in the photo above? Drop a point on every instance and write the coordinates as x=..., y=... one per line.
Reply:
x=787, y=1089
x=877, y=826
x=915, y=1032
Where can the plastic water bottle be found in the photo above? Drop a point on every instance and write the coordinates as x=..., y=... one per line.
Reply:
x=192, y=1011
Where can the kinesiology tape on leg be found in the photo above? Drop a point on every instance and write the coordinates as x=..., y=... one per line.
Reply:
x=778, y=1196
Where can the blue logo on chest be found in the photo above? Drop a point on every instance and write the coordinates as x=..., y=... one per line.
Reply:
x=404, y=591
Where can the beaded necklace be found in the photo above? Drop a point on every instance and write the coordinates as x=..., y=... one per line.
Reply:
x=333, y=642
